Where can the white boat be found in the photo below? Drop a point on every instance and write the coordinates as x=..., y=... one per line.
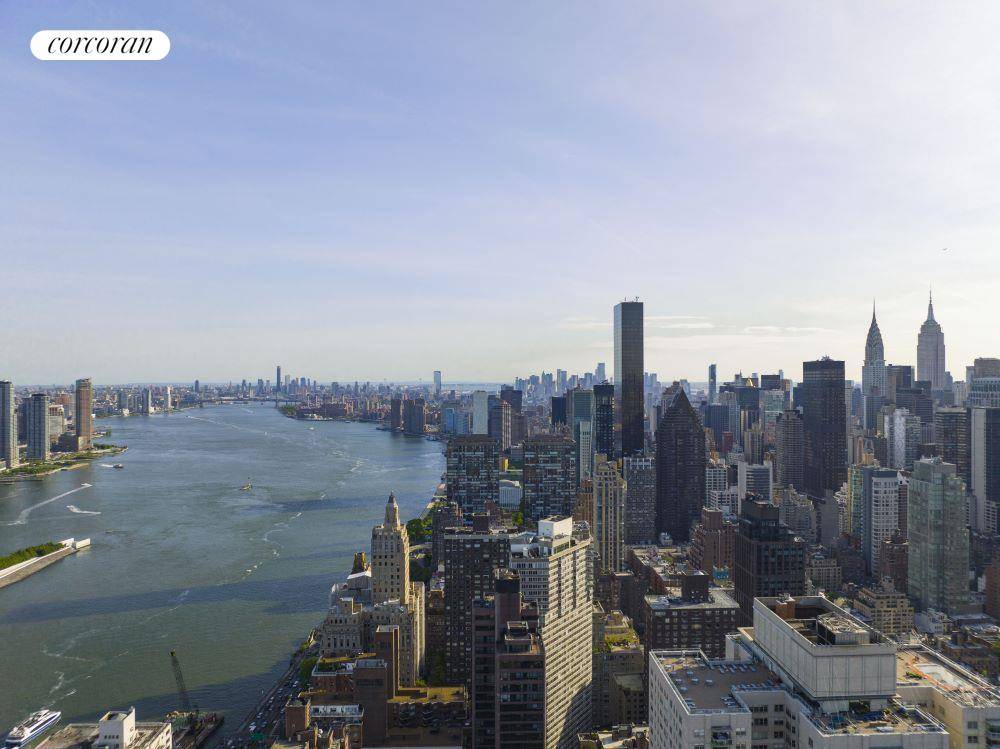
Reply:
x=32, y=727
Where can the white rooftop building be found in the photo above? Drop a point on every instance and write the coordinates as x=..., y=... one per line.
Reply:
x=807, y=675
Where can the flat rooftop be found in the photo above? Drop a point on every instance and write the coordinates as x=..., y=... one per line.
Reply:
x=923, y=667
x=77, y=735
x=717, y=599
x=709, y=686
x=896, y=718
x=715, y=686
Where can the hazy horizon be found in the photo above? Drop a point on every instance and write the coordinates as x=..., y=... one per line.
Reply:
x=376, y=192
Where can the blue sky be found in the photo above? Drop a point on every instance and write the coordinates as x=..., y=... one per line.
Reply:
x=377, y=190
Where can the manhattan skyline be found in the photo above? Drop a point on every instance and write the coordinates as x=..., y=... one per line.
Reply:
x=333, y=200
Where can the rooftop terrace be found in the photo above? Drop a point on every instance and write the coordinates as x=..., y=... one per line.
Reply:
x=924, y=667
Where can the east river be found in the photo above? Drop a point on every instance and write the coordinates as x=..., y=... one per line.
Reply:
x=182, y=559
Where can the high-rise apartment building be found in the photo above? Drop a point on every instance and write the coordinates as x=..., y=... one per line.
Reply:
x=680, y=468
x=930, y=351
x=38, y=427
x=396, y=414
x=480, y=412
x=951, y=434
x=556, y=571
x=472, y=557
x=712, y=384
x=508, y=684
x=608, y=520
x=984, y=467
x=549, y=478
x=790, y=450
x=713, y=541
x=880, y=502
x=903, y=438
x=769, y=560
x=824, y=421
x=604, y=419
x=629, y=375
x=437, y=382
x=472, y=471
x=9, y=454
x=639, y=473
x=414, y=416
x=938, y=566
x=84, y=416
x=500, y=423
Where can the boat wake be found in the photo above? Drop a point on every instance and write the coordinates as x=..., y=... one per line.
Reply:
x=22, y=518
x=78, y=511
x=106, y=465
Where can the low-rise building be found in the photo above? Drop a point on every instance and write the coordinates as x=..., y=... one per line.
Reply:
x=885, y=608
x=117, y=729
x=806, y=675
x=691, y=616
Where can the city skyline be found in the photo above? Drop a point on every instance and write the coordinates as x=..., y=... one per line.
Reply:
x=340, y=196
x=692, y=335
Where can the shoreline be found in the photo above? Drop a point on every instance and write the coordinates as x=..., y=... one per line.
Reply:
x=13, y=478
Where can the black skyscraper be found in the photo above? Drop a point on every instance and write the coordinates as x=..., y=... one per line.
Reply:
x=628, y=375
x=680, y=468
x=769, y=559
x=558, y=409
x=604, y=419
x=824, y=421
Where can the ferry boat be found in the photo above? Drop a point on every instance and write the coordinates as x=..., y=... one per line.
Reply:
x=31, y=728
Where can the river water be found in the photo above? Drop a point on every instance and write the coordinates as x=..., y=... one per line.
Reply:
x=182, y=559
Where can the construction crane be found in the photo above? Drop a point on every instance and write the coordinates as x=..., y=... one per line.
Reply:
x=182, y=691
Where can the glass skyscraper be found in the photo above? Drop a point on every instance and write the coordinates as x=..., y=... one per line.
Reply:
x=628, y=375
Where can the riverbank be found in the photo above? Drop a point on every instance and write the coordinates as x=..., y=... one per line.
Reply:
x=17, y=572
x=72, y=461
x=180, y=554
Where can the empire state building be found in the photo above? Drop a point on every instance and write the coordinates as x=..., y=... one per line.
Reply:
x=930, y=350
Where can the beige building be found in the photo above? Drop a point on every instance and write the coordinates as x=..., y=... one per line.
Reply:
x=390, y=559
x=967, y=704
x=382, y=594
x=556, y=571
x=617, y=652
x=607, y=521
x=885, y=609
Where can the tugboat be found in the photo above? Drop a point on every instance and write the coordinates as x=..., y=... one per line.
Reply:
x=31, y=728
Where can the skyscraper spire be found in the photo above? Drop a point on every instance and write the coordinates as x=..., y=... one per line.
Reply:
x=930, y=349
x=873, y=371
